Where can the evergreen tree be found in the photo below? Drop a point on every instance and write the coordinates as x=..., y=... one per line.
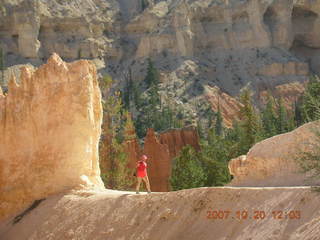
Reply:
x=144, y=4
x=219, y=123
x=249, y=122
x=187, y=171
x=200, y=128
x=269, y=118
x=152, y=77
x=214, y=157
x=282, y=120
x=311, y=100
x=113, y=159
x=137, y=95
x=154, y=97
x=298, y=116
x=128, y=90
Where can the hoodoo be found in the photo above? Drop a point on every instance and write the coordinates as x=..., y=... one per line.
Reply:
x=50, y=128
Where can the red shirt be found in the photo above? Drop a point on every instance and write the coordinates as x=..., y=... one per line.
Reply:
x=142, y=169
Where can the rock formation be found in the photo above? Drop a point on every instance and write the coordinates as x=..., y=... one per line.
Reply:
x=161, y=150
x=50, y=129
x=198, y=45
x=229, y=106
x=273, y=162
x=289, y=92
x=176, y=139
x=228, y=44
x=159, y=162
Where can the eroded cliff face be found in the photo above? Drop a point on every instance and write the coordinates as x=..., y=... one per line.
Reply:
x=273, y=162
x=50, y=128
x=161, y=149
x=194, y=43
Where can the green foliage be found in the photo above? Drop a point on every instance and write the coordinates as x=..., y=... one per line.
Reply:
x=155, y=112
x=250, y=125
x=269, y=118
x=152, y=77
x=117, y=175
x=187, y=171
x=214, y=157
x=282, y=119
x=297, y=112
x=144, y=4
x=308, y=106
x=219, y=123
x=113, y=159
x=129, y=91
x=310, y=160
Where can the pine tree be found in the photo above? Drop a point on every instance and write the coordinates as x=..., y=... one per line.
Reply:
x=152, y=77
x=128, y=95
x=298, y=116
x=144, y=4
x=311, y=100
x=137, y=95
x=187, y=171
x=219, y=122
x=214, y=158
x=200, y=128
x=113, y=159
x=269, y=118
x=282, y=120
x=249, y=122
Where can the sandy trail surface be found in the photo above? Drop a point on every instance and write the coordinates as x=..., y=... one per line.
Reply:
x=220, y=213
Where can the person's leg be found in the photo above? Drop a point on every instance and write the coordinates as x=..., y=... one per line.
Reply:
x=138, y=184
x=146, y=180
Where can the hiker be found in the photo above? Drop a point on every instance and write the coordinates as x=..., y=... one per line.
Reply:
x=142, y=173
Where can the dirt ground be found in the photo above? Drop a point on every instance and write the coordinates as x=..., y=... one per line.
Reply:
x=220, y=213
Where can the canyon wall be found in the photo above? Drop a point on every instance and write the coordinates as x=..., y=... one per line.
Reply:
x=50, y=128
x=195, y=44
x=273, y=162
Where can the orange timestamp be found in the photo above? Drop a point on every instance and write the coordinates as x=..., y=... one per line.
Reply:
x=254, y=214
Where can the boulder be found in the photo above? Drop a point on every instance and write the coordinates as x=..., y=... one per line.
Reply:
x=273, y=162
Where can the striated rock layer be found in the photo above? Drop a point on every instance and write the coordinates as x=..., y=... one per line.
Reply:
x=50, y=128
x=273, y=162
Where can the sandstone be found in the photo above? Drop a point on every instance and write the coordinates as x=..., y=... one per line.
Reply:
x=159, y=162
x=51, y=124
x=289, y=68
x=289, y=93
x=161, y=149
x=291, y=213
x=272, y=162
x=228, y=105
x=176, y=139
x=15, y=71
x=231, y=43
